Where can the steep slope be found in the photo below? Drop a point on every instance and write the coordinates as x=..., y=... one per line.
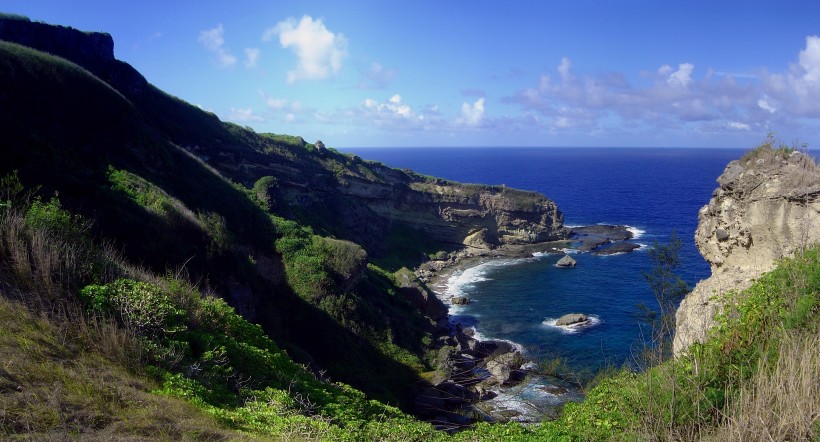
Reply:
x=179, y=191
x=337, y=194
x=766, y=208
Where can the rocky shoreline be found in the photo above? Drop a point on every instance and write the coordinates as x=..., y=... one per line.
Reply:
x=473, y=373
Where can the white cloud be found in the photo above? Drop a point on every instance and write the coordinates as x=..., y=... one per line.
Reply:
x=320, y=51
x=472, y=115
x=682, y=77
x=803, y=81
x=672, y=99
x=251, y=57
x=214, y=41
x=243, y=115
x=738, y=125
x=564, y=68
x=809, y=59
x=394, y=107
x=276, y=103
x=766, y=104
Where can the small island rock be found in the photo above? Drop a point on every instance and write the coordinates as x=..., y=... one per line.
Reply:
x=565, y=262
x=571, y=319
x=459, y=300
x=622, y=247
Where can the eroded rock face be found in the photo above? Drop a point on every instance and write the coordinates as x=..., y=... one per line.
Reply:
x=767, y=207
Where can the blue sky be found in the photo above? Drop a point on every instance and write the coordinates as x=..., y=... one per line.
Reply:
x=458, y=73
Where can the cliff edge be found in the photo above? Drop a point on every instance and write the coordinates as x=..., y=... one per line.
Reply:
x=390, y=212
x=767, y=207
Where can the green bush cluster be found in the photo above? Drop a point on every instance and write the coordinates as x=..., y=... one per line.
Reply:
x=207, y=354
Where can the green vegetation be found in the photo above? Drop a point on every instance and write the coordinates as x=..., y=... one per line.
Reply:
x=764, y=347
x=171, y=340
x=163, y=332
x=136, y=231
x=669, y=290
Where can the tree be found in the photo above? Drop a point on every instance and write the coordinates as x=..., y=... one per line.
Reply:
x=669, y=289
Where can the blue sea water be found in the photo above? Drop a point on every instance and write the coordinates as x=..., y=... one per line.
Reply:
x=654, y=191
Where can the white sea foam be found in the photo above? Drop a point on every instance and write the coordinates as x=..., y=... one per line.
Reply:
x=478, y=336
x=531, y=399
x=592, y=321
x=569, y=251
x=636, y=232
x=461, y=280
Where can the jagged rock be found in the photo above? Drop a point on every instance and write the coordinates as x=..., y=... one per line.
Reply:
x=477, y=240
x=421, y=297
x=459, y=300
x=505, y=367
x=320, y=146
x=621, y=247
x=612, y=233
x=530, y=366
x=565, y=262
x=762, y=211
x=571, y=319
x=467, y=344
x=484, y=394
x=455, y=393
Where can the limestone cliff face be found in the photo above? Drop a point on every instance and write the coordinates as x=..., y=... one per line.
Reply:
x=371, y=208
x=767, y=207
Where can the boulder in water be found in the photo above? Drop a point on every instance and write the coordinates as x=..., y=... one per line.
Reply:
x=565, y=262
x=572, y=319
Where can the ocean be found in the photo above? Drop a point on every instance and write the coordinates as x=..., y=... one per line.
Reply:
x=653, y=191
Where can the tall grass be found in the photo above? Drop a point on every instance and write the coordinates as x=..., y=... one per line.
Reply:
x=782, y=400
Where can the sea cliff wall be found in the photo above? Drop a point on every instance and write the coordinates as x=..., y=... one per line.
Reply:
x=766, y=207
x=339, y=195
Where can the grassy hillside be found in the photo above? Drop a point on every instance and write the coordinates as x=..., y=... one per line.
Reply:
x=165, y=209
x=95, y=347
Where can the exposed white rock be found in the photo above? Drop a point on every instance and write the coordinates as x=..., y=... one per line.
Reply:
x=762, y=211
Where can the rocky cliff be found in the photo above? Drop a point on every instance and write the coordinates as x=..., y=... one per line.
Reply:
x=386, y=210
x=381, y=208
x=767, y=207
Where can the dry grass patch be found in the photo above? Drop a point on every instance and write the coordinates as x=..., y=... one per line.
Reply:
x=53, y=388
x=782, y=401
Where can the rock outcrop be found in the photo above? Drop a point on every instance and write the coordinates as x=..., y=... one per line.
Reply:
x=566, y=262
x=572, y=319
x=621, y=247
x=91, y=50
x=767, y=207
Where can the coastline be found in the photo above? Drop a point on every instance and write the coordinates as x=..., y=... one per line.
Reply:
x=497, y=380
x=483, y=378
